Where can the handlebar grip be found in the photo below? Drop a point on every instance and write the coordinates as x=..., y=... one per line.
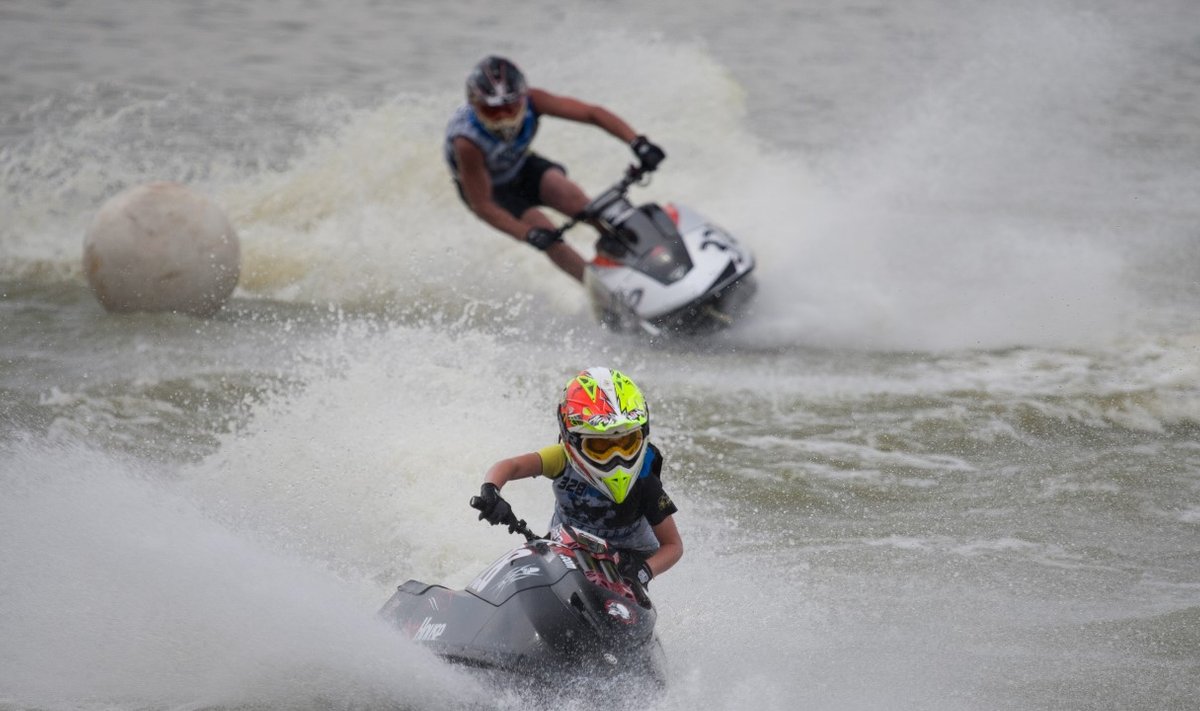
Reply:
x=516, y=525
x=476, y=503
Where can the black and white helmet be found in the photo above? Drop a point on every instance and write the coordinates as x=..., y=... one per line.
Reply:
x=497, y=92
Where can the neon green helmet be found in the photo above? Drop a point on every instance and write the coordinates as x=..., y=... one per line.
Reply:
x=604, y=422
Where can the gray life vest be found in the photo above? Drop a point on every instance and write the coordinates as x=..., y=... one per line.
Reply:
x=503, y=158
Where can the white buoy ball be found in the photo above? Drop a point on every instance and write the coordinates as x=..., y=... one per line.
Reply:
x=161, y=247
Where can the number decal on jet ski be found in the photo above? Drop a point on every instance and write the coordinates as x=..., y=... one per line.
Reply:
x=712, y=238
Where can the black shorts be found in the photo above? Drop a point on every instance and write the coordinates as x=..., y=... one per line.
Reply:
x=523, y=191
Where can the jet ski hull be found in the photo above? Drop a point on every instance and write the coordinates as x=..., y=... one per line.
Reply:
x=544, y=611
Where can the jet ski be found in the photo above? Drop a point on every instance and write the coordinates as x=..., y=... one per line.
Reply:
x=552, y=609
x=662, y=270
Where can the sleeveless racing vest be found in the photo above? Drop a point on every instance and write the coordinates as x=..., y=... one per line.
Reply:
x=504, y=159
x=579, y=504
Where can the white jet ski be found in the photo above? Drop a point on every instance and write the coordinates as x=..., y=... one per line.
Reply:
x=662, y=270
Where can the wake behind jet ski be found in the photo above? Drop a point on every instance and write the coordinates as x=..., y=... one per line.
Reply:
x=553, y=607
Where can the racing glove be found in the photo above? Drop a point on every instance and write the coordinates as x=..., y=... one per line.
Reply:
x=541, y=238
x=633, y=567
x=649, y=154
x=492, y=505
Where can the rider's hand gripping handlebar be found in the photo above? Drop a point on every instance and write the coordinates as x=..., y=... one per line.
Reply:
x=485, y=506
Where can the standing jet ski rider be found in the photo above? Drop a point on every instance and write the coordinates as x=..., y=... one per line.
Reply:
x=497, y=174
x=606, y=475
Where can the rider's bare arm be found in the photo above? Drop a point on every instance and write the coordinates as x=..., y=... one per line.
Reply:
x=518, y=467
x=477, y=187
x=670, y=547
x=575, y=110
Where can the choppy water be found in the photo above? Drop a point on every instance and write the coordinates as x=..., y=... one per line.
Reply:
x=952, y=462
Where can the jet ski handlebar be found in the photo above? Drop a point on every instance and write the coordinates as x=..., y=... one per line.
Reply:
x=633, y=174
x=514, y=524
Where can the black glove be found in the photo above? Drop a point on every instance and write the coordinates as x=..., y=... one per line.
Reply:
x=633, y=567
x=542, y=238
x=491, y=505
x=649, y=154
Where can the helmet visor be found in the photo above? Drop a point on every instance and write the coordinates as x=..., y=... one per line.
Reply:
x=500, y=112
x=606, y=450
x=504, y=120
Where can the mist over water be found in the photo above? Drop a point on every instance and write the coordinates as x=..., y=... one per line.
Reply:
x=128, y=593
x=971, y=213
x=949, y=462
x=967, y=217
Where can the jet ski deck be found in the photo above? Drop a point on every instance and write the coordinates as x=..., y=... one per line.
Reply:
x=553, y=605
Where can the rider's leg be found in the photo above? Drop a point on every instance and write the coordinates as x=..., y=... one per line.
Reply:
x=558, y=191
x=561, y=193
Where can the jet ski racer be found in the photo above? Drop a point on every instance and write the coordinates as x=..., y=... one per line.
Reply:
x=607, y=476
x=499, y=177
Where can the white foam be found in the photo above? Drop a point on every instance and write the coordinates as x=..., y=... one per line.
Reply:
x=117, y=589
x=941, y=233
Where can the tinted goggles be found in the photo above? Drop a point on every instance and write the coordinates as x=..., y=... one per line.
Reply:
x=602, y=449
x=497, y=113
